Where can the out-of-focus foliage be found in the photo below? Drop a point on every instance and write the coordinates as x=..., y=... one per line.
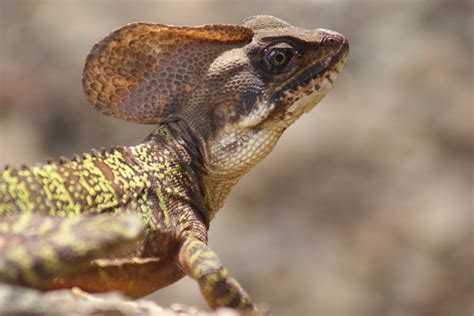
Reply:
x=364, y=207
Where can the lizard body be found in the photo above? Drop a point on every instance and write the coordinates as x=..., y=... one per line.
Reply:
x=221, y=95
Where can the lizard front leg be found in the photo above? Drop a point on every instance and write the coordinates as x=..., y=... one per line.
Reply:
x=218, y=288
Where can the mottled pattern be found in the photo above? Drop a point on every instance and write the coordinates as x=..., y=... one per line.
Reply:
x=217, y=286
x=222, y=102
x=154, y=179
x=106, y=181
x=65, y=245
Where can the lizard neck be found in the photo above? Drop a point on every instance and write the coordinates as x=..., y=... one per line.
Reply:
x=214, y=187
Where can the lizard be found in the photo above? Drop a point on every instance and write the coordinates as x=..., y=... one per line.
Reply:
x=220, y=95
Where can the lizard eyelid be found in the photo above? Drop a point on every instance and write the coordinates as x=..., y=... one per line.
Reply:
x=279, y=57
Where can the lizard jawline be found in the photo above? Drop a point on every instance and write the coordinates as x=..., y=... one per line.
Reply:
x=312, y=85
x=309, y=95
x=308, y=87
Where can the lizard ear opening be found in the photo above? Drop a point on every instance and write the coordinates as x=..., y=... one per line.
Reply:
x=145, y=72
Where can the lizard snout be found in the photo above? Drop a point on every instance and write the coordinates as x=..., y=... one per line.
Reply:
x=334, y=39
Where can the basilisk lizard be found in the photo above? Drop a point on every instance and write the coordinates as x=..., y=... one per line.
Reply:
x=221, y=97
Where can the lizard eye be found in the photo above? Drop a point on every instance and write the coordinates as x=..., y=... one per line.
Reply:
x=279, y=57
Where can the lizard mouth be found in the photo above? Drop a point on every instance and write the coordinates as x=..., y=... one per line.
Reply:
x=303, y=92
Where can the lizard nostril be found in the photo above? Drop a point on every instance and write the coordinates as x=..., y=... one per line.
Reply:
x=330, y=41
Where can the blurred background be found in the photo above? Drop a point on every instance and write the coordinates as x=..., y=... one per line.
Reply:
x=364, y=208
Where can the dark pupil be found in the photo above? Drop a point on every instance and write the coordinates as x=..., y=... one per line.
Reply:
x=278, y=58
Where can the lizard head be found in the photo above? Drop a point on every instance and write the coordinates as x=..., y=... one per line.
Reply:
x=269, y=83
x=237, y=87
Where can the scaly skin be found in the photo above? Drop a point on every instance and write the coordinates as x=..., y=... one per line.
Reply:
x=221, y=95
x=67, y=245
x=154, y=179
